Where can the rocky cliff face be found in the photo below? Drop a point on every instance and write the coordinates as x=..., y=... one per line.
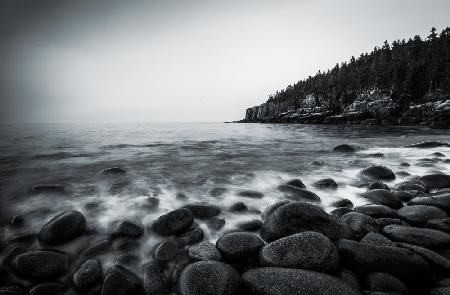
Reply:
x=366, y=107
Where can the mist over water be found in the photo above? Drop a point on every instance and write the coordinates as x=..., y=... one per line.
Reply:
x=165, y=160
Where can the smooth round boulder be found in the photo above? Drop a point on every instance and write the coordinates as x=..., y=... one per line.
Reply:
x=251, y=225
x=250, y=194
x=296, y=217
x=238, y=207
x=424, y=237
x=155, y=281
x=345, y=148
x=436, y=181
x=204, y=251
x=113, y=171
x=377, y=240
x=377, y=211
x=191, y=236
x=238, y=245
x=174, y=222
x=269, y=210
x=383, y=197
x=307, y=250
x=341, y=211
x=384, y=282
x=367, y=258
x=378, y=185
x=277, y=281
x=326, y=183
x=343, y=203
x=296, y=183
x=420, y=214
x=411, y=185
x=41, y=265
x=439, y=224
x=166, y=250
x=377, y=172
x=63, y=228
x=87, y=275
x=203, y=210
x=428, y=144
x=440, y=201
x=209, y=278
x=121, y=281
x=298, y=194
x=126, y=228
x=360, y=224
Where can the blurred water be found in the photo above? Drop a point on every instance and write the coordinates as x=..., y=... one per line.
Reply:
x=164, y=159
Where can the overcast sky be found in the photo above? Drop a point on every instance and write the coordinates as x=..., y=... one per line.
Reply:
x=186, y=60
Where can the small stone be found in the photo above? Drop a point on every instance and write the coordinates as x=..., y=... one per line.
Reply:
x=41, y=265
x=383, y=197
x=343, y=203
x=88, y=275
x=384, y=282
x=191, y=236
x=377, y=239
x=204, y=251
x=326, y=183
x=166, y=250
x=238, y=245
x=377, y=172
x=344, y=148
x=251, y=225
x=377, y=211
x=360, y=224
x=174, y=222
x=203, y=210
x=215, y=223
x=113, y=171
x=63, y=228
x=155, y=281
x=238, y=207
x=378, y=185
x=119, y=280
x=127, y=228
x=250, y=194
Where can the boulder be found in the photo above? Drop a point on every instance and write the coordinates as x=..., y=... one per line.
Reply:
x=411, y=185
x=126, y=228
x=341, y=211
x=378, y=185
x=383, y=197
x=238, y=245
x=41, y=265
x=420, y=214
x=47, y=289
x=296, y=183
x=215, y=223
x=384, y=282
x=87, y=275
x=174, y=222
x=298, y=194
x=298, y=217
x=437, y=261
x=440, y=291
x=209, y=277
x=345, y=148
x=238, y=207
x=155, y=281
x=307, y=250
x=166, y=250
x=120, y=280
x=440, y=201
x=100, y=247
x=439, y=224
x=428, y=144
x=367, y=258
x=377, y=172
x=203, y=210
x=191, y=236
x=350, y=277
x=277, y=281
x=326, y=183
x=404, y=196
x=343, y=203
x=436, y=181
x=251, y=225
x=63, y=228
x=377, y=211
x=113, y=171
x=269, y=210
x=360, y=224
x=204, y=251
x=386, y=221
x=424, y=237
x=377, y=239
x=250, y=194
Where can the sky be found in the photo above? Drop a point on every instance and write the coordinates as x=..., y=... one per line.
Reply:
x=182, y=60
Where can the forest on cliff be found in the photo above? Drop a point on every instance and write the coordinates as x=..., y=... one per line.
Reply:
x=408, y=69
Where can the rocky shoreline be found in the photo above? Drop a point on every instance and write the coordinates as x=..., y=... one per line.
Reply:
x=376, y=107
x=397, y=243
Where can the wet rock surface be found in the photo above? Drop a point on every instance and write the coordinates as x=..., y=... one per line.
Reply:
x=63, y=228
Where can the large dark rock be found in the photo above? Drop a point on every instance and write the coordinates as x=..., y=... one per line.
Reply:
x=428, y=144
x=203, y=210
x=440, y=201
x=436, y=181
x=367, y=258
x=326, y=183
x=278, y=281
x=377, y=211
x=384, y=282
x=425, y=237
x=41, y=265
x=412, y=185
x=63, y=228
x=113, y=171
x=377, y=172
x=238, y=207
x=377, y=240
x=360, y=224
x=383, y=197
x=191, y=236
x=166, y=250
x=298, y=217
x=298, y=194
x=343, y=203
x=87, y=275
x=47, y=289
x=209, y=277
x=341, y=211
x=155, y=281
x=238, y=245
x=296, y=183
x=378, y=185
x=174, y=222
x=98, y=248
x=420, y=214
x=121, y=281
x=269, y=210
x=250, y=194
x=307, y=250
x=127, y=228
x=345, y=148
x=204, y=251
x=251, y=225
x=439, y=224
x=437, y=261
